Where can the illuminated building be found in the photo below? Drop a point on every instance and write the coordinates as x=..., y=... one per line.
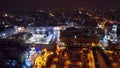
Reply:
x=113, y=34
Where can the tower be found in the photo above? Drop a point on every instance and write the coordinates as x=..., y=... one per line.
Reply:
x=113, y=34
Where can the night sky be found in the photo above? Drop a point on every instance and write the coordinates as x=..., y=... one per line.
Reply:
x=38, y=4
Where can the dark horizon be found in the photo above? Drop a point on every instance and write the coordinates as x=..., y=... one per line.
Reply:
x=45, y=4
